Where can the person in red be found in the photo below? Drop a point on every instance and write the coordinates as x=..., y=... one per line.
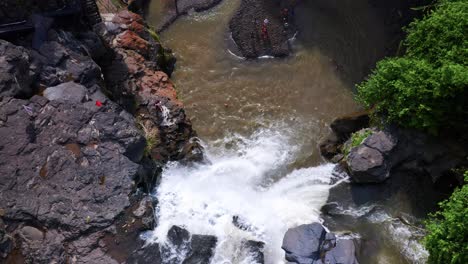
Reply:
x=265, y=29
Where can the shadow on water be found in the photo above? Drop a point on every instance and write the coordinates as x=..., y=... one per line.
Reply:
x=355, y=34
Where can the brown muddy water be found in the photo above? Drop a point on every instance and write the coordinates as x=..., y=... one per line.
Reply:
x=261, y=121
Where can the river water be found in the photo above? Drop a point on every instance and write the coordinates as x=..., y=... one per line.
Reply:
x=260, y=122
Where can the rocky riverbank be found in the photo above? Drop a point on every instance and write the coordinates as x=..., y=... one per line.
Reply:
x=397, y=176
x=86, y=122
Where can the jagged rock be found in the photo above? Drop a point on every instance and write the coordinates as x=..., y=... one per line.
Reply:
x=253, y=251
x=201, y=249
x=147, y=254
x=6, y=241
x=145, y=90
x=302, y=243
x=54, y=149
x=177, y=235
x=367, y=165
x=15, y=74
x=130, y=40
x=381, y=141
x=191, y=249
x=330, y=146
x=54, y=52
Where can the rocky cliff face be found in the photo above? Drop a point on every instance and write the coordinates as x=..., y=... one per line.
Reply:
x=85, y=121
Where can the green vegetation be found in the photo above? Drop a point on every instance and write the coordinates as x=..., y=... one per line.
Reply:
x=356, y=139
x=447, y=239
x=151, y=142
x=427, y=87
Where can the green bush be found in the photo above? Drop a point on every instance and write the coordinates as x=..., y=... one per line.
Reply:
x=441, y=36
x=447, y=239
x=414, y=93
x=427, y=88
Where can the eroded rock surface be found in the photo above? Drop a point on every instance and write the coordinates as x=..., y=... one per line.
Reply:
x=73, y=155
x=145, y=89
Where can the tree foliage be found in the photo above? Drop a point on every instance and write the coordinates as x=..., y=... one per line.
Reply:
x=447, y=239
x=427, y=87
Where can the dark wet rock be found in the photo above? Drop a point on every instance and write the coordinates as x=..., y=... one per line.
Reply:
x=330, y=146
x=346, y=125
x=65, y=58
x=54, y=52
x=190, y=249
x=145, y=212
x=177, y=235
x=202, y=249
x=246, y=28
x=147, y=254
x=367, y=165
x=302, y=243
x=341, y=130
x=343, y=253
x=253, y=251
x=381, y=141
x=311, y=244
x=16, y=76
x=393, y=148
x=6, y=241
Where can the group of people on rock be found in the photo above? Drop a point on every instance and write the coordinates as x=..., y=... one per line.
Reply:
x=286, y=14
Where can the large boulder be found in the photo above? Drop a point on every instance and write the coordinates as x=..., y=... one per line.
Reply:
x=367, y=165
x=302, y=243
x=50, y=150
x=311, y=244
x=16, y=75
x=246, y=28
x=343, y=253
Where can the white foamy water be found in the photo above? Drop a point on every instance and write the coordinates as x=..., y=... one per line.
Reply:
x=240, y=181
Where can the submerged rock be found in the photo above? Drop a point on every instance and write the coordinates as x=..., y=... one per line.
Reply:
x=182, y=247
x=253, y=251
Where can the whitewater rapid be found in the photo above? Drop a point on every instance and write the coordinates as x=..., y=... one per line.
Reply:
x=247, y=177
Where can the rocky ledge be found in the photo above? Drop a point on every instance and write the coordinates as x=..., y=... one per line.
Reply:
x=176, y=8
x=371, y=154
x=86, y=122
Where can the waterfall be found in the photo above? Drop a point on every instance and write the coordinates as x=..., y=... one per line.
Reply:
x=249, y=178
